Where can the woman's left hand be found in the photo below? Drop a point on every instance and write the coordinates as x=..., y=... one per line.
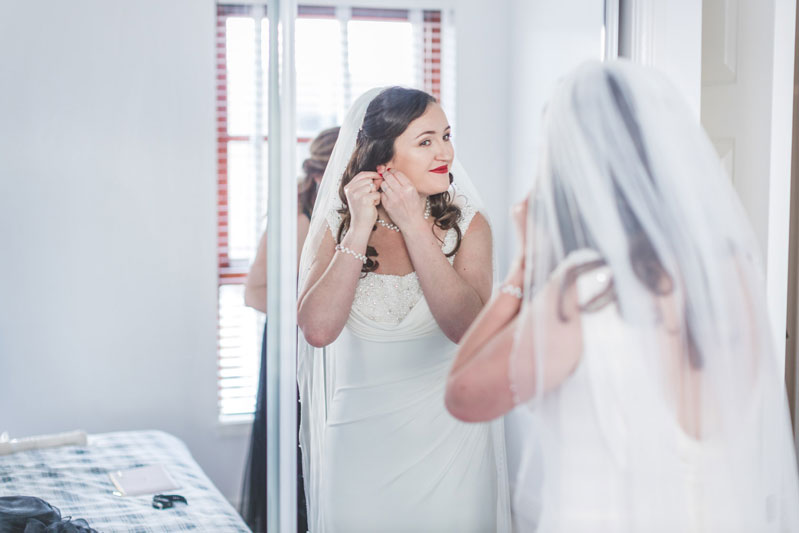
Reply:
x=401, y=200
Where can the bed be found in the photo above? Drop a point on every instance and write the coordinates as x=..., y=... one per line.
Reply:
x=75, y=479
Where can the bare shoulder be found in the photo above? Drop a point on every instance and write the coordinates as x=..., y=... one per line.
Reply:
x=478, y=232
x=476, y=241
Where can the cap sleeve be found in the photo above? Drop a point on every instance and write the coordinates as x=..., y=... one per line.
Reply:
x=334, y=222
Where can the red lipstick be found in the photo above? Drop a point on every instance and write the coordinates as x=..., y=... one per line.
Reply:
x=443, y=169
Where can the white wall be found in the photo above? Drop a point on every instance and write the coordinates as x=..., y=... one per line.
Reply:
x=108, y=202
x=667, y=36
x=781, y=135
x=482, y=138
x=549, y=38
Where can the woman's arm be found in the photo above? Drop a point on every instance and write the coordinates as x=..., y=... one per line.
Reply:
x=324, y=305
x=255, y=288
x=479, y=387
x=455, y=293
x=492, y=319
x=503, y=307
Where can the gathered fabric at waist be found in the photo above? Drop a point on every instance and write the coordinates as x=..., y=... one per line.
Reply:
x=366, y=363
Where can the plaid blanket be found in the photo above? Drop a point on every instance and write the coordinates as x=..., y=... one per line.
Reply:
x=75, y=479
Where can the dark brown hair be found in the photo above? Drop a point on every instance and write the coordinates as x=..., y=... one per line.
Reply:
x=314, y=167
x=647, y=265
x=387, y=117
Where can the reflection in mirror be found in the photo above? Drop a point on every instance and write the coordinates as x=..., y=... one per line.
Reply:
x=400, y=301
x=317, y=65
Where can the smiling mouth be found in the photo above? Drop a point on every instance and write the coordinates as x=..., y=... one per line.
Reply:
x=440, y=170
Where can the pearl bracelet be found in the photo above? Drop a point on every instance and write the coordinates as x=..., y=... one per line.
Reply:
x=511, y=290
x=353, y=253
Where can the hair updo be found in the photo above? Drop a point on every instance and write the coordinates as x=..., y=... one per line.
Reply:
x=314, y=167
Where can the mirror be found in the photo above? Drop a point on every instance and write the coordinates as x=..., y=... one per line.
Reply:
x=341, y=51
x=135, y=166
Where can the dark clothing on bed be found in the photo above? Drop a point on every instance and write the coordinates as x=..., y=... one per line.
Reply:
x=26, y=514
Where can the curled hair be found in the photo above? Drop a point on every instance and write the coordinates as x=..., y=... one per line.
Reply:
x=387, y=117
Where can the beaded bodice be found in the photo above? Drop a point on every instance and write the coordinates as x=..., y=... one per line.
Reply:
x=387, y=298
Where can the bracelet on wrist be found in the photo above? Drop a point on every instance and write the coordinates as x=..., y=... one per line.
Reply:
x=512, y=290
x=343, y=249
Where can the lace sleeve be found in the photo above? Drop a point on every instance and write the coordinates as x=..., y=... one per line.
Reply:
x=451, y=238
x=333, y=222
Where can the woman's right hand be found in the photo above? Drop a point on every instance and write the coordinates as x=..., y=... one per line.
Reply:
x=518, y=213
x=363, y=198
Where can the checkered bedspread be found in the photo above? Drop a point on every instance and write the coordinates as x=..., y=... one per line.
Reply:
x=75, y=479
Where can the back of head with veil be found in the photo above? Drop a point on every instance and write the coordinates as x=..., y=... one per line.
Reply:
x=313, y=363
x=675, y=417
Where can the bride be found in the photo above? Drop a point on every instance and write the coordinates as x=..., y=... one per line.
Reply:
x=396, y=266
x=634, y=325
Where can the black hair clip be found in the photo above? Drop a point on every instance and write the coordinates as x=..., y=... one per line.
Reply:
x=165, y=501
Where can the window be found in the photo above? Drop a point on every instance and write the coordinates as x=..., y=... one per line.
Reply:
x=340, y=51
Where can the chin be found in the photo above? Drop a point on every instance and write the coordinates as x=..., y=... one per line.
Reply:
x=436, y=186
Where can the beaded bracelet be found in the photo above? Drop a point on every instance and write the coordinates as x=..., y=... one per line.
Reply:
x=512, y=290
x=353, y=253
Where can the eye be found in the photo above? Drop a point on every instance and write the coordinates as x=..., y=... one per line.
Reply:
x=425, y=142
x=447, y=136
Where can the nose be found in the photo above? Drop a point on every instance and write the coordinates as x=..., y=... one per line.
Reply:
x=445, y=151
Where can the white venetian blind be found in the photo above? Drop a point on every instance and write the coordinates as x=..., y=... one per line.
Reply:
x=340, y=52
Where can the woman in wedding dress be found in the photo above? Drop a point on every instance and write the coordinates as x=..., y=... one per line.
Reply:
x=396, y=266
x=633, y=324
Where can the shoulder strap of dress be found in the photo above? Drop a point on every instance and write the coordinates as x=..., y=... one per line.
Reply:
x=467, y=214
x=333, y=222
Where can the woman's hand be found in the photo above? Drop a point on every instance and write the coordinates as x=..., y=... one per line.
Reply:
x=518, y=214
x=362, y=199
x=401, y=200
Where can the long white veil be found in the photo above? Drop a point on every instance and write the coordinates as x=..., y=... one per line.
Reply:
x=631, y=204
x=314, y=364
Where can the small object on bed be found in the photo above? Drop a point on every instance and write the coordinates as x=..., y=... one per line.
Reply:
x=70, y=438
x=142, y=480
x=165, y=501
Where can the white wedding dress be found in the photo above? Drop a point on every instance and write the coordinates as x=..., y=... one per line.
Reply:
x=613, y=456
x=393, y=459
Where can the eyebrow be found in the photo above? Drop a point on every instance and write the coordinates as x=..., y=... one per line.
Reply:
x=429, y=132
